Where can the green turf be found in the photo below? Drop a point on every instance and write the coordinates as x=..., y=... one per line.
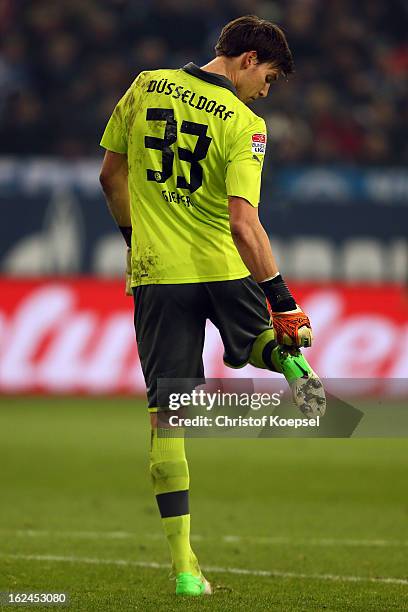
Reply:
x=73, y=473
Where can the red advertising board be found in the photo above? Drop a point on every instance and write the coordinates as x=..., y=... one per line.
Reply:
x=76, y=336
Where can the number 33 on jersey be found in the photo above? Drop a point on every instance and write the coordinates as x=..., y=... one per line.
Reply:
x=190, y=143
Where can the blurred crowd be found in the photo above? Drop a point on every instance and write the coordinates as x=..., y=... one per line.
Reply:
x=64, y=65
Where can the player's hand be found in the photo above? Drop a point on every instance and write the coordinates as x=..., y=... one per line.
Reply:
x=292, y=328
x=128, y=289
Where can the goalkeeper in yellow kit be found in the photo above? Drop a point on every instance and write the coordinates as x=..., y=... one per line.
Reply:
x=182, y=177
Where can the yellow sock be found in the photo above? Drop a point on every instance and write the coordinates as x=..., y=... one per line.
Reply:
x=170, y=477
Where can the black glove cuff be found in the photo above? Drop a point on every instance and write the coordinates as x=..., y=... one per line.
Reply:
x=278, y=294
x=127, y=234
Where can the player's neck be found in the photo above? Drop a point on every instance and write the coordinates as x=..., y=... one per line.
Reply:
x=223, y=66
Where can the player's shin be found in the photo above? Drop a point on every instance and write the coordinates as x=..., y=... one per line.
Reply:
x=170, y=478
x=307, y=390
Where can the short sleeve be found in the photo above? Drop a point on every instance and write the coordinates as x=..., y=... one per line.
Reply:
x=115, y=136
x=245, y=162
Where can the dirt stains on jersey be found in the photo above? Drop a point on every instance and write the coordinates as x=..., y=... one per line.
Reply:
x=146, y=266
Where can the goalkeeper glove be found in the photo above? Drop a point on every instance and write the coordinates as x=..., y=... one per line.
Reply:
x=292, y=328
x=291, y=324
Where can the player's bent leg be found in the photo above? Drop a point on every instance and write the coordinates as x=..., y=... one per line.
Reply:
x=261, y=352
x=267, y=354
x=170, y=478
x=307, y=389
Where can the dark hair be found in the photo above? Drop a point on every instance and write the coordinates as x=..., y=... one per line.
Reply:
x=250, y=33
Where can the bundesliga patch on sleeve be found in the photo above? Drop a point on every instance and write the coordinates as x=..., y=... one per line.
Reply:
x=259, y=143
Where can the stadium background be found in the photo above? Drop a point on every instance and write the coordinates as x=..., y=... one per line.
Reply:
x=335, y=204
x=334, y=200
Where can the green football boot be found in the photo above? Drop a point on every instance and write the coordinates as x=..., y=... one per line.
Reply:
x=306, y=387
x=192, y=586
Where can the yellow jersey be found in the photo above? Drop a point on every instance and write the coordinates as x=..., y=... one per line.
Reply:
x=190, y=143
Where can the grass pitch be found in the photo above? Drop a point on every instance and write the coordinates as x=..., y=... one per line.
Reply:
x=278, y=524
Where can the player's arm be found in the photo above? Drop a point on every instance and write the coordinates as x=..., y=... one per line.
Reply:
x=252, y=242
x=251, y=239
x=114, y=172
x=114, y=181
x=245, y=155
